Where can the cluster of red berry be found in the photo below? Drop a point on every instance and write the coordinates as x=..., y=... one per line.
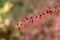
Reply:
x=38, y=16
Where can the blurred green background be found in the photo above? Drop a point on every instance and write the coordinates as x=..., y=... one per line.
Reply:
x=21, y=8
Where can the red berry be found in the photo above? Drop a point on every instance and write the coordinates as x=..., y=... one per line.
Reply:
x=21, y=24
x=31, y=20
x=47, y=11
x=36, y=16
x=50, y=11
x=31, y=17
x=26, y=18
x=56, y=10
x=17, y=24
x=40, y=16
x=43, y=13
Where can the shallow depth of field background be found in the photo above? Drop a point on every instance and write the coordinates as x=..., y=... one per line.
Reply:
x=39, y=30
